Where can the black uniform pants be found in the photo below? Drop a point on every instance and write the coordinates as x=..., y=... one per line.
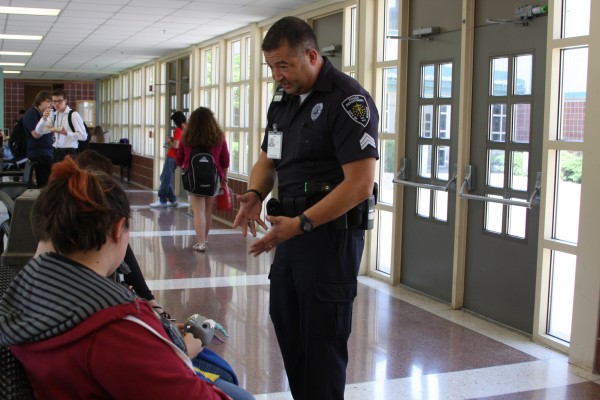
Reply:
x=313, y=284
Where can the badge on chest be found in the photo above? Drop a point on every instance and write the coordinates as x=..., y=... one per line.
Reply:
x=274, y=143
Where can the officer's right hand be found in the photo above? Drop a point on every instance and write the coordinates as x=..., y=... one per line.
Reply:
x=249, y=213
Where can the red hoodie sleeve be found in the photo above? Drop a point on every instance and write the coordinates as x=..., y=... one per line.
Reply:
x=224, y=159
x=131, y=362
x=220, y=154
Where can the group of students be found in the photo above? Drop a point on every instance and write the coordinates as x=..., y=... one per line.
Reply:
x=52, y=131
x=201, y=130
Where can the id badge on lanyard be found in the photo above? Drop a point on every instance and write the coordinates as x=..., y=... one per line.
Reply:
x=274, y=142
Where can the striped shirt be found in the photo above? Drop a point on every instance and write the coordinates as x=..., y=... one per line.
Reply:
x=51, y=295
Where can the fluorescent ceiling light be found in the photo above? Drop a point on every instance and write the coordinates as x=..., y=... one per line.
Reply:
x=12, y=64
x=30, y=11
x=15, y=53
x=21, y=37
x=11, y=72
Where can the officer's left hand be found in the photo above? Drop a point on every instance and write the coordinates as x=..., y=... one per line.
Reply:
x=282, y=229
x=249, y=213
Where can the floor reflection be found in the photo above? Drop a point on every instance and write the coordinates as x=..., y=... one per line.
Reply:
x=399, y=348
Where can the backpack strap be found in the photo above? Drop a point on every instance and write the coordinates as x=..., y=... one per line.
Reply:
x=184, y=357
x=71, y=111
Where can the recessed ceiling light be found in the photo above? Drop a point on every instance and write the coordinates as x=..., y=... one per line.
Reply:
x=13, y=64
x=30, y=11
x=21, y=37
x=15, y=53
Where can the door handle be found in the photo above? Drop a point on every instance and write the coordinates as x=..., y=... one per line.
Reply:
x=403, y=174
x=468, y=184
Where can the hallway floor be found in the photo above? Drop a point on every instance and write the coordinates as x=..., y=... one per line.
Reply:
x=403, y=345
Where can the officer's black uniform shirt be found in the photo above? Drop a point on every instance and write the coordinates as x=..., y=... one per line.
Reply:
x=336, y=124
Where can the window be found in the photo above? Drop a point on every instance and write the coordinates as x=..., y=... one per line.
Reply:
x=386, y=99
x=562, y=287
x=140, y=141
x=238, y=103
x=435, y=132
x=507, y=168
x=116, y=107
x=125, y=109
x=576, y=18
x=573, y=82
x=209, y=81
x=565, y=144
x=391, y=30
x=149, y=112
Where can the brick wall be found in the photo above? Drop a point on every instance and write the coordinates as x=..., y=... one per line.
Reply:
x=142, y=169
x=14, y=97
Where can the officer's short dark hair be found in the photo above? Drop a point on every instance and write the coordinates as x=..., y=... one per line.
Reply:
x=178, y=118
x=292, y=31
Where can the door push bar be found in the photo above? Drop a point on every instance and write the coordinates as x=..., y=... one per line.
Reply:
x=402, y=175
x=468, y=184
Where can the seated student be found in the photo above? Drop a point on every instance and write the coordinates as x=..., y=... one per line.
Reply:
x=133, y=277
x=75, y=330
x=99, y=136
x=6, y=153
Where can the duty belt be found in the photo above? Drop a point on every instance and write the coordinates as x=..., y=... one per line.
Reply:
x=294, y=206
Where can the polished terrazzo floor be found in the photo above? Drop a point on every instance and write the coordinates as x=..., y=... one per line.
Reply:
x=403, y=345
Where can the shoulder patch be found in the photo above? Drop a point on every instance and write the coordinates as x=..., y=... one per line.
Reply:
x=358, y=109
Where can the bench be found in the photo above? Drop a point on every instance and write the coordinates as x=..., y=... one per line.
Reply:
x=118, y=153
x=21, y=243
x=21, y=246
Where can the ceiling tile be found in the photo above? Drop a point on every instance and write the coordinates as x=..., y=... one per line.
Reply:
x=92, y=39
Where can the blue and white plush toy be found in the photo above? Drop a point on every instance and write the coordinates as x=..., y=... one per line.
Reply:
x=204, y=329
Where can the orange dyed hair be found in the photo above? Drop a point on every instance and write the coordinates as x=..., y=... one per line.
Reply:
x=78, y=208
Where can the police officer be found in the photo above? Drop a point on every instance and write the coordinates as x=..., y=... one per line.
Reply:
x=322, y=131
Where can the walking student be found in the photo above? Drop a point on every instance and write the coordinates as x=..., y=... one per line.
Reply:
x=203, y=130
x=166, y=194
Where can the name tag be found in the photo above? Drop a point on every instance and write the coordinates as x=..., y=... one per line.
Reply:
x=274, y=142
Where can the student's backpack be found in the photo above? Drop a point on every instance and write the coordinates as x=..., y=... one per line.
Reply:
x=18, y=140
x=83, y=144
x=201, y=177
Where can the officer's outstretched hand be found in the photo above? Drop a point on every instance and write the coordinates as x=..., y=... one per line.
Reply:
x=282, y=229
x=249, y=213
